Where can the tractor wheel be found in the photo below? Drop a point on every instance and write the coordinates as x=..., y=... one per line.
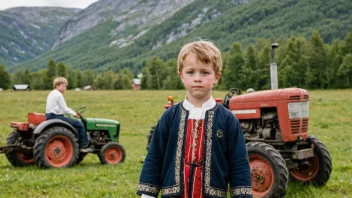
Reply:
x=319, y=168
x=112, y=153
x=17, y=158
x=81, y=156
x=56, y=147
x=268, y=170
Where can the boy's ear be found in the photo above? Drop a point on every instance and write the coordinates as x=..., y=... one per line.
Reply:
x=180, y=74
x=217, y=77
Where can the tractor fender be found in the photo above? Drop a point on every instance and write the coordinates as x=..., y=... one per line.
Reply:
x=54, y=122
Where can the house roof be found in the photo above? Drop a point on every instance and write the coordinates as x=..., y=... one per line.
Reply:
x=21, y=86
x=136, y=81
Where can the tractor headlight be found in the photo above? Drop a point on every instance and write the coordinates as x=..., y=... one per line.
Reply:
x=298, y=110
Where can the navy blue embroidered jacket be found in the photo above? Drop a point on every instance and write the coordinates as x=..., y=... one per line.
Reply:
x=225, y=159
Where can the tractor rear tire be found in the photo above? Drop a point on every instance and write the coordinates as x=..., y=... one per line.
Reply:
x=268, y=171
x=319, y=169
x=56, y=147
x=17, y=158
x=112, y=153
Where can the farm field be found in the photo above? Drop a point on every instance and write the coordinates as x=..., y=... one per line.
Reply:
x=330, y=121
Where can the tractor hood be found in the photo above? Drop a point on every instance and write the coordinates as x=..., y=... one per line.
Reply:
x=272, y=95
x=101, y=122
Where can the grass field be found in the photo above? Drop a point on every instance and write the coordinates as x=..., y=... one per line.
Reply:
x=330, y=121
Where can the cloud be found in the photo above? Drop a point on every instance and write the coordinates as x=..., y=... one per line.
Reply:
x=5, y=4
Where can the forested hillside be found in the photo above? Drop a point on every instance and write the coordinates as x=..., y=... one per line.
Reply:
x=28, y=32
x=223, y=22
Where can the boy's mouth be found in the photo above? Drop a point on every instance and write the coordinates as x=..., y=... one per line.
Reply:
x=197, y=87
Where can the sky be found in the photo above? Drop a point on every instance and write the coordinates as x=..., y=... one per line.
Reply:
x=5, y=4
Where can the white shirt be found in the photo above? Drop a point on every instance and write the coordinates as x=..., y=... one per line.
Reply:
x=196, y=112
x=55, y=103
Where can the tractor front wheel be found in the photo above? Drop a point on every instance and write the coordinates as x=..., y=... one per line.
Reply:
x=268, y=170
x=56, y=147
x=18, y=158
x=112, y=153
x=319, y=167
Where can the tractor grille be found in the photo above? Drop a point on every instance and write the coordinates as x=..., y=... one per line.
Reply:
x=299, y=125
x=306, y=97
x=294, y=97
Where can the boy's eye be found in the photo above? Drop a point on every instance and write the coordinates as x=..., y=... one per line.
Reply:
x=205, y=72
x=189, y=72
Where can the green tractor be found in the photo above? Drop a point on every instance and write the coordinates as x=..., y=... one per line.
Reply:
x=54, y=143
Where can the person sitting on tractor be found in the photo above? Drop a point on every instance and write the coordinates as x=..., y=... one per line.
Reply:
x=56, y=108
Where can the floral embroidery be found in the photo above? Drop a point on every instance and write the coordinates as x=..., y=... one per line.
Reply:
x=176, y=188
x=208, y=189
x=243, y=190
x=148, y=188
x=172, y=190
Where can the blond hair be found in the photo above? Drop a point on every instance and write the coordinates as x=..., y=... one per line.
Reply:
x=205, y=51
x=58, y=81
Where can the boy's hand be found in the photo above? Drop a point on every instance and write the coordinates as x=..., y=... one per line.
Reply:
x=77, y=115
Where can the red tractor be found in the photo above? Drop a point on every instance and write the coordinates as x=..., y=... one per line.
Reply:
x=275, y=126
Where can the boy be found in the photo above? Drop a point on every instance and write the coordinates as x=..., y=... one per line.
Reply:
x=197, y=148
x=56, y=107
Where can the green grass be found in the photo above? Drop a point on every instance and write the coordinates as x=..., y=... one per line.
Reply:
x=330, y=121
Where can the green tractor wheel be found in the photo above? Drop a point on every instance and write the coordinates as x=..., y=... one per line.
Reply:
x=56, y=147
x=18, y=158
x=112, y=153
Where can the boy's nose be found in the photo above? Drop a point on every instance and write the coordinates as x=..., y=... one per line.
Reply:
x=197, y=77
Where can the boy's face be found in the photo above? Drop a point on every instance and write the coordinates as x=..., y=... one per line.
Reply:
x=198, y=78
x=61, y=87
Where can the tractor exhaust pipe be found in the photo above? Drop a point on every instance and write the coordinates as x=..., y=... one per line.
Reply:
x=273, y=67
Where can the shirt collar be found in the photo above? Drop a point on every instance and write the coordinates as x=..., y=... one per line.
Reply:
x=206, y=105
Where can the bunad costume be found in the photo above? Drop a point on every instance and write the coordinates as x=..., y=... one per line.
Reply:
x=196, y=152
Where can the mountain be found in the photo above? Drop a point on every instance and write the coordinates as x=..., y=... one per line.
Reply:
x=125, y=14
x=27, y=32
x=130, y=35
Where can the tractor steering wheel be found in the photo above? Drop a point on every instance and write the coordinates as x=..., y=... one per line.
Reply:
x=228, y=96
x=80, y=112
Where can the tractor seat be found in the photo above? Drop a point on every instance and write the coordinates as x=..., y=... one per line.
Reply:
x=36, y=118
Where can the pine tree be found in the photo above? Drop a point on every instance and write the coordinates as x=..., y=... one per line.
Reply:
x=5, y=77
x=317, y=63
x=233, y=63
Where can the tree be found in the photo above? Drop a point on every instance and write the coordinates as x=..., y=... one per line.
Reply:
x=233, y=63
x=293, y=66
x=52, y=69
x=5, y=77
x=39, y=80
x=345, y=70
x=72, y=79
x=263, y=69
x=317, y=63
x=88, y=77
x=172, y=80
x=62, y=70
x=156, y=73
x=335, y=59
x=123, y=81
x=248, y=75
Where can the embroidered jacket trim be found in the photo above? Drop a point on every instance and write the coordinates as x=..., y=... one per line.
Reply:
x=176, y=188
x=242, y=190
